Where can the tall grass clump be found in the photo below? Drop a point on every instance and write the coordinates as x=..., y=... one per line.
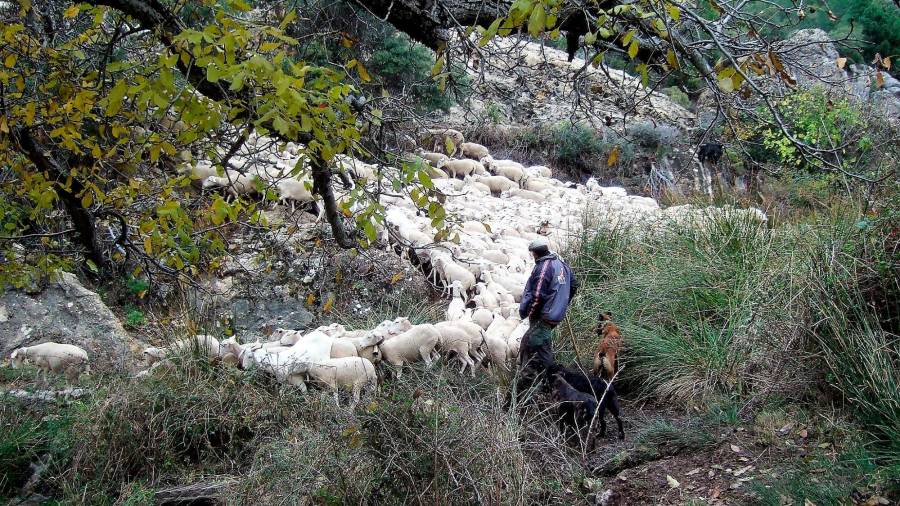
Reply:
x=723, y=309
x=429, y=437
x=684, y=296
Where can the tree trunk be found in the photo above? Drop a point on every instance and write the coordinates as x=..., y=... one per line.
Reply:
x=82, y=220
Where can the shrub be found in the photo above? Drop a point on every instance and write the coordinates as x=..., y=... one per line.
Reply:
x=405, y=64
x=27, y=437
x=134, y=318
x=656, y=138
x=676, y=95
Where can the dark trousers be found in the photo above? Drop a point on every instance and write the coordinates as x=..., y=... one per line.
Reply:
x=535, y=354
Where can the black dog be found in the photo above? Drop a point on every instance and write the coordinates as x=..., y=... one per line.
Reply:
x=710, y=152
x=575, y=409
x=594, y=386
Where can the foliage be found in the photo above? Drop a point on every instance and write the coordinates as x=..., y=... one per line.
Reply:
x=655, y=138
x=134, y=318
x=676, y=95
x=824, y=479
x=95, y=134
x=579, y=145
x=26, y=438
x=405, y=64
x=136, y=435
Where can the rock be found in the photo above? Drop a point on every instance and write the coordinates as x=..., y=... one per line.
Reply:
x=66, y=312
x=253, y=315
x=528, y=83
x=817, y=57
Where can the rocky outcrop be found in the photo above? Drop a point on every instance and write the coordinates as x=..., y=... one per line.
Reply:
x=526, y=83
x=815, y=63
x=65, y=312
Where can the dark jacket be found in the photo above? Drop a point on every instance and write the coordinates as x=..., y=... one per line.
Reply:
x=549, y=290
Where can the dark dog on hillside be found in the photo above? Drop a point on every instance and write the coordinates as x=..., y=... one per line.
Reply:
x=607, y=347
x=710, y=152
x=595, y=387
x=575, y=409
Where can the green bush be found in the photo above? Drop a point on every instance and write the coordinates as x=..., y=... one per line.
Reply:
x=404, y=64
x=581, y=146
x=676, y=95
x=28, y=437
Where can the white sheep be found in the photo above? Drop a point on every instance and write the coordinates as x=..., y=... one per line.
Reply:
x=410, y=346
x=55, y=357
x=539, y=170
x=456, y=339
x=198, y=172
x=473, y=331
x=353, y=373
x=205, y=346
x=497, y=184
x=527, y=195
x=456, y=308
x=294, y=190
x=474, y=151
x=452, y=271
x=483, y=317
x=234, y=182
x=436, y=159
x=461, y=168
x=356, y=346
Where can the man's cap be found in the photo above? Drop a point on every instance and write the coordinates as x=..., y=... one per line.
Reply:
x=539, y=244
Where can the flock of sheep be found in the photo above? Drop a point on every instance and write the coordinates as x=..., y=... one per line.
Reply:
x=501, y=206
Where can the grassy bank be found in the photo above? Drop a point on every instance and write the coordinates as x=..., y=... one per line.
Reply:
x=737, y=332
x=727, y=312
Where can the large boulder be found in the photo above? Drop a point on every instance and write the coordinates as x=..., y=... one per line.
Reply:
x=66, y=312
x=816, y=64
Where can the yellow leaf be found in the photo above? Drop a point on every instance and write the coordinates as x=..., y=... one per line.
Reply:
x=396, y=278
x=10, y=60
x=879, y=79
x=310, y=299
x=87, y=200
x=613, y=156
x=886, y=62
x=148, y=246
x=328, y=304
x=72, y=11
x=671, y=59
x=674, y=12
x=363, y=73
x=29, y=113
x=633, y=49
x=4, y=128
x=841, y=62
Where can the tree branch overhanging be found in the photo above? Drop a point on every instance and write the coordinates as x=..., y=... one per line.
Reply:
x=157, y=18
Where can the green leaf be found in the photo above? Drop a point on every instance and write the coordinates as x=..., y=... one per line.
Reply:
x=116, y=95
x=674, y=12
x=425, y=179
x=590, y=38
x=490, y=32
x=369, y=230
x=537, y=21
x=438, y=66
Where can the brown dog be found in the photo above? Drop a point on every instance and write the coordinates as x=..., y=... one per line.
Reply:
x=607, y=348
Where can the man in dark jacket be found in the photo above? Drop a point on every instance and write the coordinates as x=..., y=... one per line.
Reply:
x=547, y=294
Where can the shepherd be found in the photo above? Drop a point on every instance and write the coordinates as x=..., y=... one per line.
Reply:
x=547, y=295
